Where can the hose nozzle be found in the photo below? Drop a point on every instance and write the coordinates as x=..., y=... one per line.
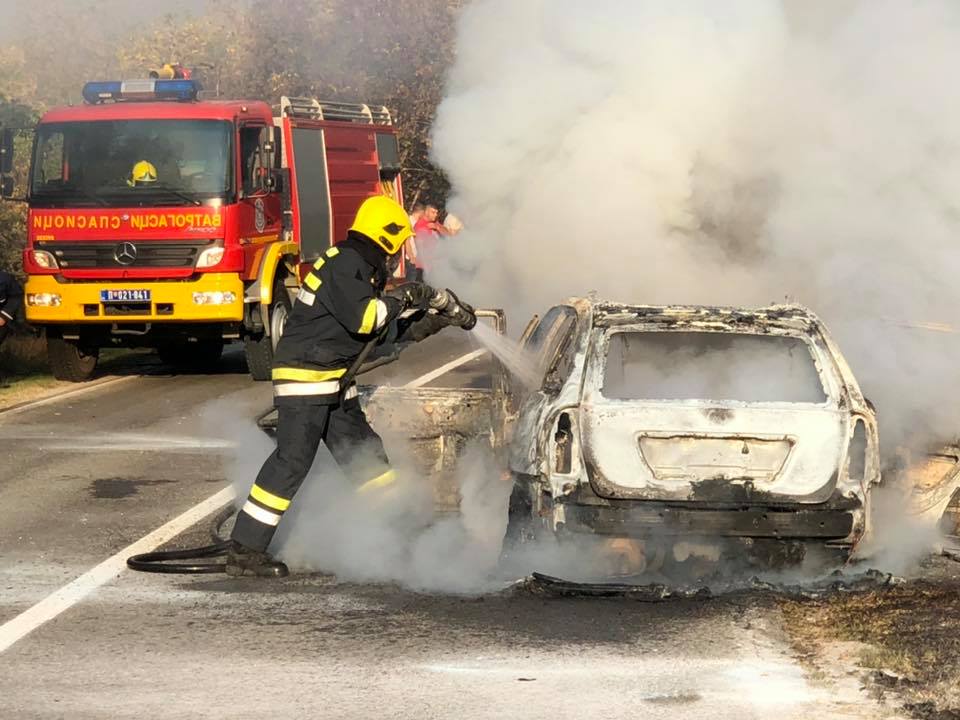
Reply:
x=450, y=306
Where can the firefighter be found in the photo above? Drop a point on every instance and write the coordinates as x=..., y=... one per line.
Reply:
x=144, y=173
x=11, y=298
x=171, y=71
x=340, y=309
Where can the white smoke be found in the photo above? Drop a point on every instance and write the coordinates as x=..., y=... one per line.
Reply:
x=688, y=151
x=744, y=152
x=392, y=535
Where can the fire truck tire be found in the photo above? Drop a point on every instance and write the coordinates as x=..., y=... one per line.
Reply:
x=69, y=360
x=259, y=349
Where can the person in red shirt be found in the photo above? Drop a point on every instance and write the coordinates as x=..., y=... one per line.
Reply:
x=427, y=230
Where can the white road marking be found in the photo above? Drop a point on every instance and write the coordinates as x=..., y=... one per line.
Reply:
x=75, y=591
x=444, y=369
x=122, y=442
x=96, y=385
x=72, y=593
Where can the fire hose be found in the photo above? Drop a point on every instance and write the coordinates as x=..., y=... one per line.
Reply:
x=170, y=561
x=175, y=561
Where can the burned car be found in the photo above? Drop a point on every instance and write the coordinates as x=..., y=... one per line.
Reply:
x=679, y=435
x=692, y=431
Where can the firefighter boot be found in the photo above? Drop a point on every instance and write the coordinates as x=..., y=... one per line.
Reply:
x=242, y=561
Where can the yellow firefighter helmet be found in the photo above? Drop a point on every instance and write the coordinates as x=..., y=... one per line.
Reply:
x=384, y=221
x=170, y=71
x=143, y=173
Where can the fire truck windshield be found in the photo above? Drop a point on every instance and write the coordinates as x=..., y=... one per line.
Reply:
x=132, y=163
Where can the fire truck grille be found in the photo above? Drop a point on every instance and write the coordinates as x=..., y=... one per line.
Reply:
x=125, y=254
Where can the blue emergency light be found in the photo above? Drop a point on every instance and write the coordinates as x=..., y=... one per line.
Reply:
x=127, y=90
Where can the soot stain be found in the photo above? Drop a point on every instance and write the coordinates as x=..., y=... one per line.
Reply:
x=718, y=415
x=118, y=488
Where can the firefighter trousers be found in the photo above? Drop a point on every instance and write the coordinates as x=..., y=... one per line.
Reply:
x=344, y=429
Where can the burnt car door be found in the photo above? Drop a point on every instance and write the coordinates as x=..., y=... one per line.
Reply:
x=553, y=343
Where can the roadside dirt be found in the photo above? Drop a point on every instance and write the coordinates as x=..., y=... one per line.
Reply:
x=904, y=640
x=28, y=378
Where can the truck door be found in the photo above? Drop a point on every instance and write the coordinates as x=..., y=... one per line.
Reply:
x=261, y=208
x=310, y=189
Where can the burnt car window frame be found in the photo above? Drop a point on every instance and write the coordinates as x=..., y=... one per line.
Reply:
x=556, y=329
x=827, y=385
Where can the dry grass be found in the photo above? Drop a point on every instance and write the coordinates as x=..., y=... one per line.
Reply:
x=911, y=634
x=23, y=366
x=35, y=387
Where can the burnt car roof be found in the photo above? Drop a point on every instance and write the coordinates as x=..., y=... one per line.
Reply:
x=787, y=316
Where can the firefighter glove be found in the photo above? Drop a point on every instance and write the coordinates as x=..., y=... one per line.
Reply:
x=413, y=295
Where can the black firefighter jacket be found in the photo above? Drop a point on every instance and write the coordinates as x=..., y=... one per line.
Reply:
x=11, y=297
x=341, y=306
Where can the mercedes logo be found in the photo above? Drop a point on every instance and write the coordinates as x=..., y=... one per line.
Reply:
x=125, y=254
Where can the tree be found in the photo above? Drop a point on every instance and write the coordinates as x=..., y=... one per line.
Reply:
x=394, y=54
x=13, y=228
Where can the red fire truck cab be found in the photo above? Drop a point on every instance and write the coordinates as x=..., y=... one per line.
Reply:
x=158, y=219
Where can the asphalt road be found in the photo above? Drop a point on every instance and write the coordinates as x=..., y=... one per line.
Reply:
x=83, y=478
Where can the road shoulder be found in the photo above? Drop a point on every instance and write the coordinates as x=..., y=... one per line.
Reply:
x=901, y=642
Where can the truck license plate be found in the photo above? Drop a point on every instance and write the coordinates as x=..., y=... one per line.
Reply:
x=124, y=296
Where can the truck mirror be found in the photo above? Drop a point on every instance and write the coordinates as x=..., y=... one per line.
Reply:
x=6, y=152
x=6, y=186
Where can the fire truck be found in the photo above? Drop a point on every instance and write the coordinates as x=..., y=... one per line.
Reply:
x=233, y=202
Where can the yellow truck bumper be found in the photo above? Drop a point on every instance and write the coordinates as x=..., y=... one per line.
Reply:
x=170, y=301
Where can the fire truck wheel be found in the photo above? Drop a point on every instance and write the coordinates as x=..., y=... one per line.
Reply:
x=69, y=360
x=259, y=348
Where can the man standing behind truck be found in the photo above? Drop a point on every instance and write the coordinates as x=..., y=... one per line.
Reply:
x=11, y=298
x=341, y=311
x=427, y=231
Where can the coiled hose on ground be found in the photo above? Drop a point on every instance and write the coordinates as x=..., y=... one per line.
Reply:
x=172, y=561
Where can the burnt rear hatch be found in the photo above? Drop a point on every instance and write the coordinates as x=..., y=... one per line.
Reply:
x=713, y=417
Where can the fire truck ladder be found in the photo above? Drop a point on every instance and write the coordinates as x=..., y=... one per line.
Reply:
x=313, y=109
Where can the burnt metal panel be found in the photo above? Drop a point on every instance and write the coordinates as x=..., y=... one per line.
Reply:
x=753, y=522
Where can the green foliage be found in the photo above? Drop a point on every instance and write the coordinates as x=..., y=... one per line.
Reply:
x=13, y=215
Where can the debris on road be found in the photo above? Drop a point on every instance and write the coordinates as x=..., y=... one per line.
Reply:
x=836, y=583
x=548, y=586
